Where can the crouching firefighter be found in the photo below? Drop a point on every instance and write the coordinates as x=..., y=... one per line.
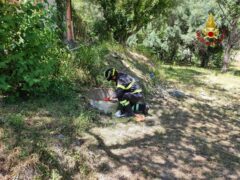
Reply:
x=128, y=93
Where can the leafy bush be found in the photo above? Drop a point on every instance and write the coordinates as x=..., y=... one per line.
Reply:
x=31, y=56
x=216, y=56
x=100, y=28
x=90, y=59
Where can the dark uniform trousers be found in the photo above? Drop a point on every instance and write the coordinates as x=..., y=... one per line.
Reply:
x=133, y=99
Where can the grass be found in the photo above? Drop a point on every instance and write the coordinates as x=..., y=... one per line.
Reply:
x=44, y=133
x=201, y=132
x=235, y=69
x=43, y=127
x=49, y=128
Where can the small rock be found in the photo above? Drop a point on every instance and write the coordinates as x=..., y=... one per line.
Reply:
x=152, y=75
x=176, y=93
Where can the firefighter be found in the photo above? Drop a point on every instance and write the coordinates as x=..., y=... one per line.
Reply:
x=128, y=93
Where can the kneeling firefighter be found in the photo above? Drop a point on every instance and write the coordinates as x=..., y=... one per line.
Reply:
x=128, y=93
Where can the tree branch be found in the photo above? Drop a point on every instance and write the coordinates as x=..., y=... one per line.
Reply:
x=223, y=12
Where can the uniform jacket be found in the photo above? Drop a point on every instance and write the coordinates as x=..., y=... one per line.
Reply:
x=126, y=83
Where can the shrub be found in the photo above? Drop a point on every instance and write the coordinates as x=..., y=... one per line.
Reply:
x=31, y=56
x=90, y=59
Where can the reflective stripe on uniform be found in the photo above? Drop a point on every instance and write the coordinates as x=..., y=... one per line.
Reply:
x=137, y=107
x=137, y=91
x=120, y=86
x=113, y=73
x=126, y=88
x=124, y=102
x=130, y=85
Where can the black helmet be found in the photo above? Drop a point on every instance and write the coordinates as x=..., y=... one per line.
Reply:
x=109, y=73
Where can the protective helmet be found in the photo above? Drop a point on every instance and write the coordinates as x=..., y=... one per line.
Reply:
x=109, y=73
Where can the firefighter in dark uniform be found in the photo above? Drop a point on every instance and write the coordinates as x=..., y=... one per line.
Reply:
x=128, y=92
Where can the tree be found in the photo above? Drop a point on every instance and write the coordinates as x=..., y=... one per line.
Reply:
x=175, y=38
x=126, y=17
x=231, y=13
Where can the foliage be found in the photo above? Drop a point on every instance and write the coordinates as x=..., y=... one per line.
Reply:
x=16, y=122
x=230, y=10
x=84, y=120
x=90, y=61
x=60, y=14
x=126, y=17
x=87, y=16
x=174, y=38
x=32, y=59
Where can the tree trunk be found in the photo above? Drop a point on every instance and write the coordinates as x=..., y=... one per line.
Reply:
x=204, y=58
x=226, y=58
x=70, y=37
x=204, y=62
x=233, y=38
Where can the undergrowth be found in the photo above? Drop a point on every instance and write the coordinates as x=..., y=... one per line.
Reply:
x=34, y=132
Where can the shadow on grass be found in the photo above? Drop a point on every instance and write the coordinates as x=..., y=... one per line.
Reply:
x=200, y=143
x=234, y=69
x=237, y=73
x=48, y=128
x=184, y=75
